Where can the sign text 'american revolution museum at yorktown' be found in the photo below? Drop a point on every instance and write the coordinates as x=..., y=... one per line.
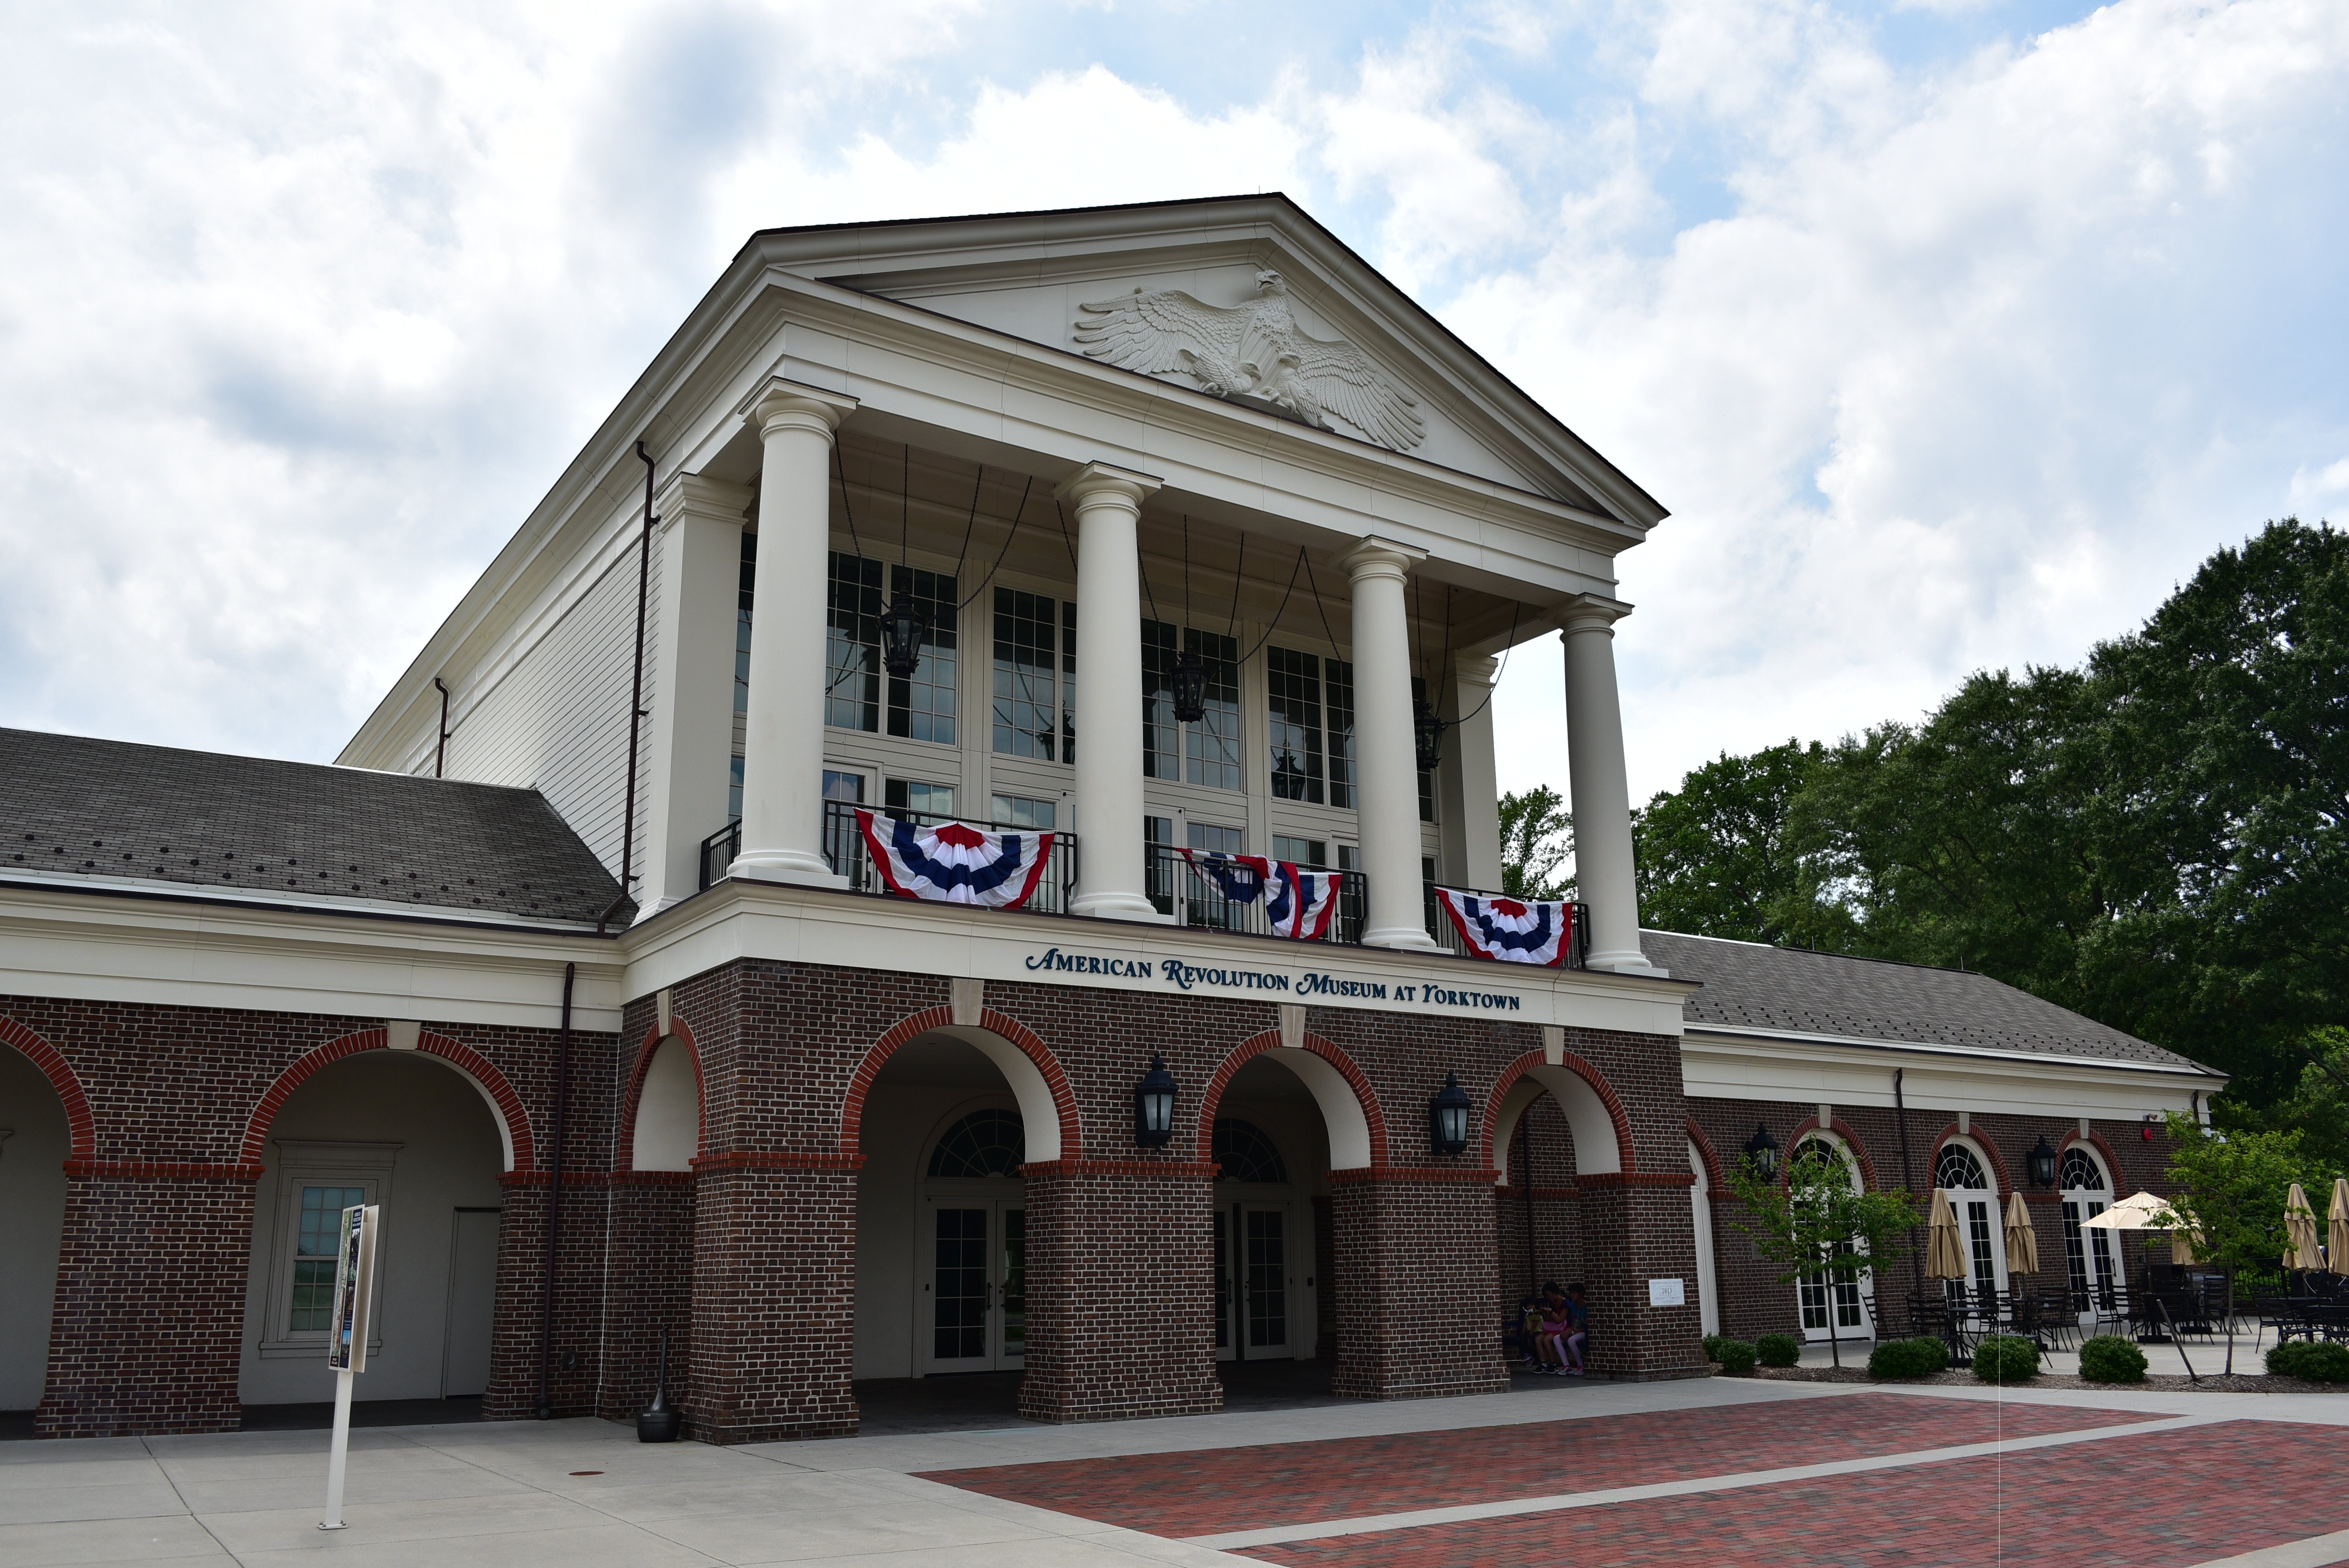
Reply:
x=1311, y=983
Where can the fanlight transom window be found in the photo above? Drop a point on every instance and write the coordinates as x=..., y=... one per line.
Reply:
x=1957, y=1167
x=1246, y=1154
x=984, y=1143
x=2080, y=1171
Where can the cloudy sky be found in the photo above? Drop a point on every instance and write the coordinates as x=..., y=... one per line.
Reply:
x=1953, y=332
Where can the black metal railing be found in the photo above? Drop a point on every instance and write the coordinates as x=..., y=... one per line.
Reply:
x=1176, y=889
x=846, y=853
x=1440, y=926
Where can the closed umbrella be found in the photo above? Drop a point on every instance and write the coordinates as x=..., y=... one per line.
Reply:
x=2339, y=1247
x=2021, y=1241
x=2299, y=1232
x=1945, y=1249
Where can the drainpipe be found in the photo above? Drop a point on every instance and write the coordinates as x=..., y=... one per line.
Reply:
x=636, y=699
x=554, y=1198
x=1907, y=1177
x=440, y=747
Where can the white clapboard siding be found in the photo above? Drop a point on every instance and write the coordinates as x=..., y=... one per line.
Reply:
x=557, y=716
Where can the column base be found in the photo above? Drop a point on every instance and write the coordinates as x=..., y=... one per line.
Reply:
x=1118, y=907
x=1406, y=938
x=797, y=866
x=1626, y=964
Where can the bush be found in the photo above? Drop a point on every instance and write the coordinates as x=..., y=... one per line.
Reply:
x=2109, y=1358
x=1896, y=1358
x=2317, y=1361
x=2005, y=1358
x=1778, y=1349
x=1735, y=1355
x=1713, y=1347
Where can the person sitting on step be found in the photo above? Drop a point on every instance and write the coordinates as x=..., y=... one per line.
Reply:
x=1578, y=1330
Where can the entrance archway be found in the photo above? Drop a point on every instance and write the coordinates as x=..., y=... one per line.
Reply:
x=412, y=1131
x=36, y=1139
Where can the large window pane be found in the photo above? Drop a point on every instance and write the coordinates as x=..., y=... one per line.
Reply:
x=922, y=706
x=1212, y=745
x=1339, y=689
x=1028, y=702
x=1294, y=738
x=852, y=663
x=317, y=1248
x=1162, y=737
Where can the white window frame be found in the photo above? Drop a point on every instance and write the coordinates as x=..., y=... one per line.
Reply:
x=367, y=1166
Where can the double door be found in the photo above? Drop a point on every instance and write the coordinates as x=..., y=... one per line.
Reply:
x=1254, y=1282
x=974, y=1308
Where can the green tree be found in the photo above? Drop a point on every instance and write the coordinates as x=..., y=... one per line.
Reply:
x=1537, y=840
x=2230, y=1191
x=2317, y=1107
x=1819, y=1225
x=1714, y=857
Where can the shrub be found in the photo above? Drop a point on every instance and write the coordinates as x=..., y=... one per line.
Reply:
x=2109, y=1358
x=1778, y=1349
x=1735, y=1355
x=2005, y=1358
x=1713, y=1347
x=2319, y=1362
x=1897, y=1358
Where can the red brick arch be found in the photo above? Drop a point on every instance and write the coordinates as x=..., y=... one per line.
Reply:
x=1064, y=1098
x=1716, y=1185
x=2095, y=1140
x=79, y=1123
x=467, y=1060
x=624, y=1155
x=1255, y=1046
x=1842, y=1129
x=1579, y=1068
x=2000, y=1185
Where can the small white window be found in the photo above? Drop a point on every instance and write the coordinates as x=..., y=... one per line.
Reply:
x=316, y=1182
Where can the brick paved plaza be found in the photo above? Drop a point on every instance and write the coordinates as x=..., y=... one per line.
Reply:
x=1710, y=1471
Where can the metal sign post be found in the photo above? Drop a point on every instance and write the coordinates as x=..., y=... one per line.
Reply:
x=347, y=1343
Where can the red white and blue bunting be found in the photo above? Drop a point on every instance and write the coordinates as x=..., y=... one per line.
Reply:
x=1510, y=929
x=955, y=862
x=1297, y=904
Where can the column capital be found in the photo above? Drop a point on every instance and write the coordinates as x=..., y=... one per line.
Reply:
x=1476, y=668
x=1590, y=613
x=690, y=496
x=776, y=403
x=1096, y=481
x=1380, y=558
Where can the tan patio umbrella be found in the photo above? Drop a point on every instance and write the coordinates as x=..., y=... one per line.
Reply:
x=1945, y=1250
x=2021, y=1241
x=2339, y=1246
x=2139, y=1213
x=2299, y=1232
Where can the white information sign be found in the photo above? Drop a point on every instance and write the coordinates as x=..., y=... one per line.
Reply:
x=347, y=1337
x=1667, y=1293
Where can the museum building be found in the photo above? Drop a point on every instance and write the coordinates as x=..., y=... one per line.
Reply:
x=1098, y=547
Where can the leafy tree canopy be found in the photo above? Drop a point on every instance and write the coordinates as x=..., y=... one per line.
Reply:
x=1537, y=840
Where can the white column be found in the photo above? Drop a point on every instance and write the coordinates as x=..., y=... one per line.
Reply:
x=1468, y=794
x=782, y=740
x=1385, y=753
x=1601, y=799
x=1108, y=504
x=689, y=732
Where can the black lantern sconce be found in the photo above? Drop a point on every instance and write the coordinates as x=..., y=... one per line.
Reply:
x=1190, y=689
x=1763, y=1149
x=1427, y=735
x=1154, y=1106
x=1448, y=1115
x=902, y=630
x=2041, y=1162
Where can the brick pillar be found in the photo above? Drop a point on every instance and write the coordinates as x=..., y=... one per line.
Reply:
x=1325, y=1270
x=1417, y=1318
x=518, y=1327
x=774, y=1298
x=151, y=1300
x=649, y=1288
x=1112, y=1243
x=1633, y=1231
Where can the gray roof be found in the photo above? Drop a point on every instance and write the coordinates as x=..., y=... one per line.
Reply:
x=1788, y=990
x=115, y=814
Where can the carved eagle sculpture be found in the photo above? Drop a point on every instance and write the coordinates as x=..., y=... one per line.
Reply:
x=1254, y=354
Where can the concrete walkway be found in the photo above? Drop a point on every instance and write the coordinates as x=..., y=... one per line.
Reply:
x=577, y=1493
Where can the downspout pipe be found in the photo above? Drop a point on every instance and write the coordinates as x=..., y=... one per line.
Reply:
x=636, y=699
x=1907, y=1177
x=441, y=746
x=554, y=1198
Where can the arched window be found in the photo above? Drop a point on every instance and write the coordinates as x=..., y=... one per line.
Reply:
x=1958, y=1168
x=1812, y=1290
x=1958, y=1171
x=2079, y=1171
x=984, y=1143
x=1247, y=1154
x=2088, y=1256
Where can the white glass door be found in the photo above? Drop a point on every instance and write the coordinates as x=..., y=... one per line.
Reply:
x=1255, y=1284
x=976, y=1308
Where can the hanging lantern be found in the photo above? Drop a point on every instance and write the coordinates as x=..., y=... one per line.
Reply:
x=1763, y=1149
x=1190, y=689
x=902, y=630
x=1448, y=1116
x=1427, y=735
x=2041, y=1162
x=1154, y=1106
